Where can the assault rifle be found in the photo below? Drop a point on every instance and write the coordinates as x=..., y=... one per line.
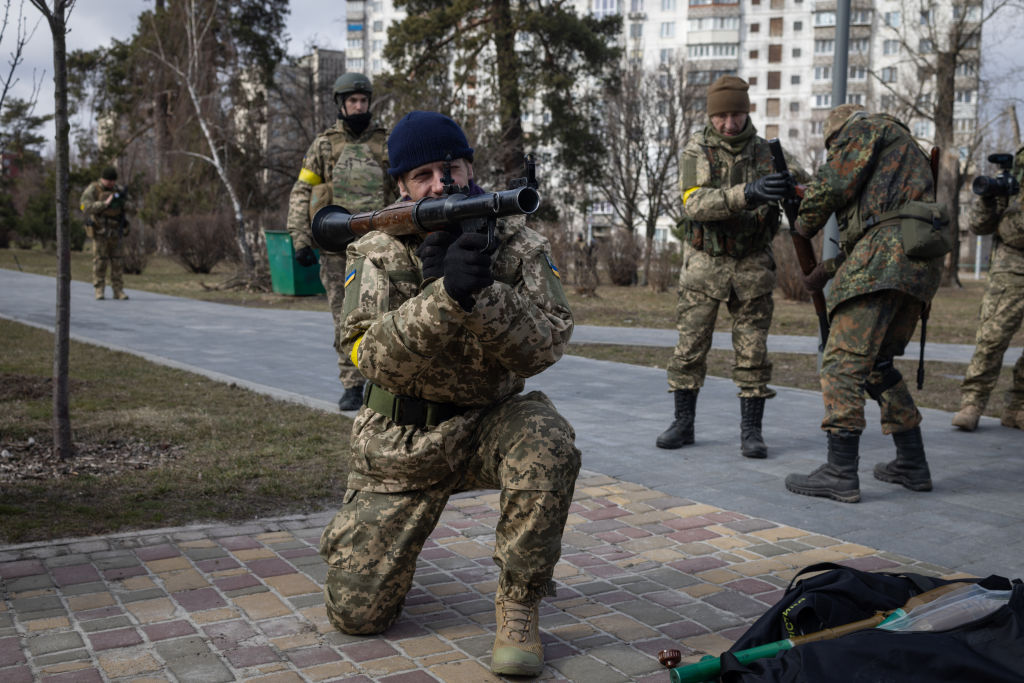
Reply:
x=334, y=227
x=802, y=245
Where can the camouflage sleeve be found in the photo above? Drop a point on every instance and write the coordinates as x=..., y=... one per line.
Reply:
x=311, y=175
x=985, y=214
x=840, y=178
x=90, y=204
x=525, y=326
x=703, y=198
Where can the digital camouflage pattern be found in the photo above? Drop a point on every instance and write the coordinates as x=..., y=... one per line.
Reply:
x=727, y=257
x=348, y=171
x=1002, y=306
x=417, y=341
x=107, y=226
x=877, y=325
x=873, y=166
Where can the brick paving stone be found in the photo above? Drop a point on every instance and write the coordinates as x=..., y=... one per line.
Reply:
x=149, y=611
x=10, y=652
x=106, y=640
x=217, y=564
x=410, y=677
x=19, y=674
x=312, y=656
x=53, y=642
x=105, y=624
x=238, y=543
x=869, y=564
x=117, y=665
x=199, y=600
x=232, y=583
x=123, y=572
x=697, y=564
x=189, y=659
x=168, y=629
x=262, y=606
x=81, y=573
x=270, y=567
x=245, y=657
x=158, y=552
x=228, y=634
x=79, y=676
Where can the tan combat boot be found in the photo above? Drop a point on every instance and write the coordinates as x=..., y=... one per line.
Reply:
x=119, y=294
x=1013, y=416
x=517, y=648
x=967, y=418
x=99, y=293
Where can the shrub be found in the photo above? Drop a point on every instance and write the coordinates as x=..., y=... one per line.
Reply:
x=622, y=254
x=138, y=246
x=666, y=262
x=199, y=241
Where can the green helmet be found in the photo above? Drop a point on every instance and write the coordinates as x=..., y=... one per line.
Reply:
x=346, y=84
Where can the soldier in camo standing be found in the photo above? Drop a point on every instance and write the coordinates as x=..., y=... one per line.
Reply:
x=347, y=166
x=105, y=206
x=445, y=333
x=873, y=176
x=730, y=200
x=1002, y=309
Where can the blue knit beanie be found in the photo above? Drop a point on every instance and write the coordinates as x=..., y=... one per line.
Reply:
x=422, y=137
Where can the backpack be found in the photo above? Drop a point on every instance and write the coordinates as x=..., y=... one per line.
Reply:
x=988, y=649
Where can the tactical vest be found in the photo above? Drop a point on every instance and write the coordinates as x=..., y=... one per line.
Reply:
x=357, y=179
x=110, y=215
x=924, y=225
x=744, y=233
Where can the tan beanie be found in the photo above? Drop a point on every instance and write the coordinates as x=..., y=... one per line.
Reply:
x=838, y=117
x=728, y=93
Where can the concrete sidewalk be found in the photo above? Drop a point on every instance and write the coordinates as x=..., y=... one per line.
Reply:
x=686, y=545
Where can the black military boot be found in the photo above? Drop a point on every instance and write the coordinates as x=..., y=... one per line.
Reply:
x=909, y=469
x=751, y=441
x=680, y=432
x=351, y=399
x=837, y=479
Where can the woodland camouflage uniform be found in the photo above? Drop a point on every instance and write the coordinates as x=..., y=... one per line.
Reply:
x=412, y=339
x=107, y=225
x=1002, y=307
x=874, y=167
x=346, y=170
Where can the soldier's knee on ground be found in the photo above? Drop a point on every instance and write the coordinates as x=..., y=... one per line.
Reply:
x=358, y=605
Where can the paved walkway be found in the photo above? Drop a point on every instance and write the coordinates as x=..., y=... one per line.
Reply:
x=662, y=547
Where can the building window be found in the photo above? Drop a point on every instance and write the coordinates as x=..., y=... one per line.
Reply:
x=668, y=5
x=892, y=19
x=888, y=74
x=822, y=73
x=636, y=6
x=823, y=100
x=973, y=12
x=794, y=79
x=855, y=98
x=888, y=102
x=353, y=64
x=824, y=47
x=377, y=45
x=824, y=18
x=778, y=4
x=753, y=54
x=775, y=53
x=860, y=17
x=923, y=129
x=927, y=15
x=704, y=50
x=858, y=73
x=797, y=52
x=771, y=107
x=755, y=28
x=926, y=46
x=794, y=107
x=860, y=45
x=666, y=55
x=963, y=125
x=775, y=27
x=668, y=29
x=972, y=41
x=354, y=43
x=774, y=80
x=794, y=133
x=771, y=131
x=605, y=8
x=965, y=96
x=967, y=69
x=798, y=26
x=636, y=30
x=752, y=81
x=890, y=47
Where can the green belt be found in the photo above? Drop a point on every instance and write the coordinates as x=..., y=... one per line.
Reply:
x=407, y=410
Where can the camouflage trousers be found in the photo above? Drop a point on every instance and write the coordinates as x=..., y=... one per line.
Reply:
x=522, y=447
x=1002, y=311
x=695, y=319
x=108, y=250
x=866, y=331
x=332, y=275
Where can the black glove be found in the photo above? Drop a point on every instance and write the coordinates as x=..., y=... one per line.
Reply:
x=769, y=188
x=467, y=268
x=432, y=252
x=306, y=257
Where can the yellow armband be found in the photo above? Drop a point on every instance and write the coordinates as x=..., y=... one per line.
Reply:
x=686, y=195
x=307, y=176
x=355, y=352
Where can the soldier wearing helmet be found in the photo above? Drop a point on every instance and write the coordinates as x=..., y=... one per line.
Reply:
x=346, y=166
x=879, y=184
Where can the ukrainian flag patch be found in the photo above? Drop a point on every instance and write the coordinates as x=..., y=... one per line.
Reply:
x=350, y=277
x=554, y=268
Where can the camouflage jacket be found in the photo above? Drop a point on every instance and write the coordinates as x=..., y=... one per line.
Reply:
x=104, y=218
x=873, y=166
x=1003, y=216
x=340, y=168
x=727, y=245
x=415, y=340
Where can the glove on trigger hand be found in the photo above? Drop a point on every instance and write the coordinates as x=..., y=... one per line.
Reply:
x=432, y=252
x=769, y=188
x=467, y=268
x=306, y=257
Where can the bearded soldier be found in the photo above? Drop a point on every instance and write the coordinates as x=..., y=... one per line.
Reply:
x=104, y=204
x=879, y=184
x=731, y=205
x=346, y=166
x=446, y=329
x=1002, y=308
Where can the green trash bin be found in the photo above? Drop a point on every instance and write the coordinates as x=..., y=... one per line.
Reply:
x=286, y=275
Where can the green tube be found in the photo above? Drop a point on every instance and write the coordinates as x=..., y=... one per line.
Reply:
x=710, y=667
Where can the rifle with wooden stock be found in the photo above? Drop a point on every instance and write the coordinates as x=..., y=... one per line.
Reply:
x=803, y=247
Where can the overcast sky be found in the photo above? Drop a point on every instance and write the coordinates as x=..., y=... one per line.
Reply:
x=319, y=22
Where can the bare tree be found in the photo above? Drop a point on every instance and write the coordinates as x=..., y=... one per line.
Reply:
x=22, y=34
x=57, y=19
x=190, y=69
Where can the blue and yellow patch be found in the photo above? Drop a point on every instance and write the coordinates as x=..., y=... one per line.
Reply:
x=554, y=268
x=350, y=277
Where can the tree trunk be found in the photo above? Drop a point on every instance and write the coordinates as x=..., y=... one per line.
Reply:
x=949, y=168
x=509, y=101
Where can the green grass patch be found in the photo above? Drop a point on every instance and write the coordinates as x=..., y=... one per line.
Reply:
x=216, y=451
